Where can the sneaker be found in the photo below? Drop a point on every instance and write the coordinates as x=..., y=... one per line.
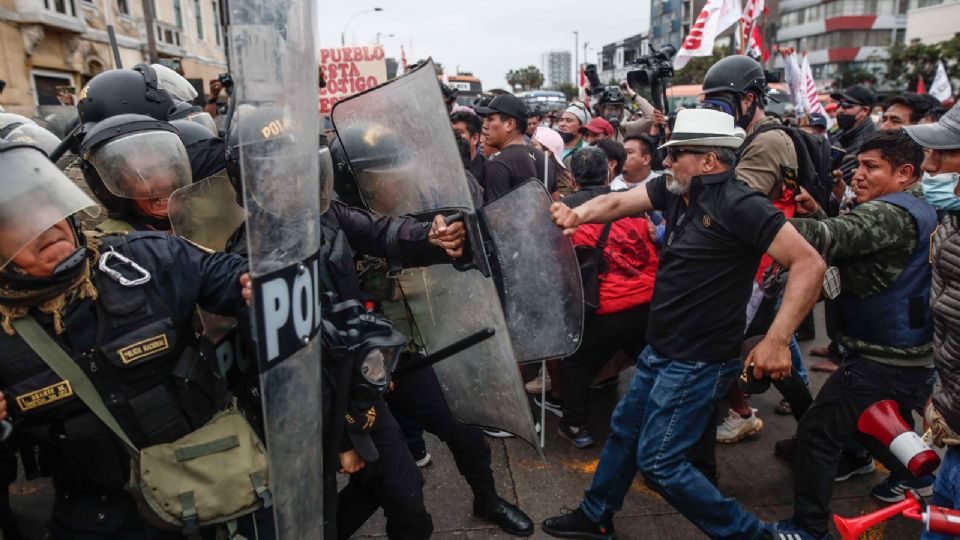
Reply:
x=535, y=385
x=500, y=434
x=423, y=460
x=892, y=489
x=788, y=530
x=553, y=405
x=851, y=466
x=578, y=435
x=576, y=524
x=736, y=428
x=786, y=448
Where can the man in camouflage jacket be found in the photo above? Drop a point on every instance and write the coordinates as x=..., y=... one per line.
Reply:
x=880, y=249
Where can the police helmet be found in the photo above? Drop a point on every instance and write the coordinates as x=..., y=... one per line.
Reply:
x=736, y=74
x=125, y=91
x=184, y=110
x=132, y=156
x=611, y=95
x=34, y=196
x=206, y=151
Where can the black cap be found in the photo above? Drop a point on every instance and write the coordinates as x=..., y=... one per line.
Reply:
x=589, y=166
x=507, y=104
x=859, y=94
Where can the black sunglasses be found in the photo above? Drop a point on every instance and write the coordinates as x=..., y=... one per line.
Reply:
x=675, y=153
x=849, y=105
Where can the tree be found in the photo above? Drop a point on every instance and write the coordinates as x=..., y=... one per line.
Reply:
x=907, y=63
x=438, y=67
x=696, y=68
x=528, y=78
x=848, y=76
x=569, y=90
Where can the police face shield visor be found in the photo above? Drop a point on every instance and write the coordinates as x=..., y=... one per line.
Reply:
x=384, y=188
x=10, y=118
x=34, y=196
x=174, y=84
x=147, y=165
x=34, y=135
x=205, y=120
x=326, y=178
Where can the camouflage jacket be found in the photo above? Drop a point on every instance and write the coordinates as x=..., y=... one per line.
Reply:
x=870, y=246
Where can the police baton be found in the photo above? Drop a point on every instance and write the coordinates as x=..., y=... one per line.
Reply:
x=445, y=352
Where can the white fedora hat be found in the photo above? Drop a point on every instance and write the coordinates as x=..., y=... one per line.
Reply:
x=704, y=127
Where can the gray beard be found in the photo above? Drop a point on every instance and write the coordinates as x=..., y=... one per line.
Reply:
x=676, y=186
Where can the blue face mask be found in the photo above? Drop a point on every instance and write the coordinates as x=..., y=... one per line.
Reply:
x=940, y=191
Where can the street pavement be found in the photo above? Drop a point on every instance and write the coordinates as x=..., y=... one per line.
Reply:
x=543, y=487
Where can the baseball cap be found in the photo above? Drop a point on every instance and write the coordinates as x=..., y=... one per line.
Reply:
x=817, y=119
x=858, y=94
x=589, y=166
x=944, y=135
x=507, y=104
x=599, y=126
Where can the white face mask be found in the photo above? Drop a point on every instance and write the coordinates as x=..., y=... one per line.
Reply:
x=940, y=190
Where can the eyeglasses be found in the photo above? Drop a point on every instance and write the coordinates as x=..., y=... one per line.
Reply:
x=675, y=153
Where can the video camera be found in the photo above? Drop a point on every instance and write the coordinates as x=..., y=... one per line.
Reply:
x=655, y=70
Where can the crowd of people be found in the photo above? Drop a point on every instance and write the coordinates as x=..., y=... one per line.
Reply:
x=705, y=237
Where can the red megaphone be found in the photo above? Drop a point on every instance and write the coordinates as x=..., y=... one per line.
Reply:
x=883, y=422
x=852, y=528
x=937, y=519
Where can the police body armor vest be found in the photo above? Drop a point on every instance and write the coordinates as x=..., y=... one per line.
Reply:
x=899, y=316
x=144, y=365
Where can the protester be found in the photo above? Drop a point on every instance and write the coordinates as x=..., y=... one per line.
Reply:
x=616, y=156
x=904, y=110
x=814, y=124
x=717, y=230
x=549, y=142
x=469, y=126
x=884, y=327
x=570, y=127
x=941, y=168
x=514, y=162
x=637, y=168
x=596, y=130
x=533, y=122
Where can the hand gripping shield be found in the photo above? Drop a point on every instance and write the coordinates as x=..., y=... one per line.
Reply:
x=411, y=166
x=273, y=59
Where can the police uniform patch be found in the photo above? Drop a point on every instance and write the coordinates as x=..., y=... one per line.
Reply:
x=143, y=348
x=45, y=396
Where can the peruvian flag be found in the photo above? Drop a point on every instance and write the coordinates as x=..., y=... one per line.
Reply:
x=755, y=46
x=717, y=16
x=810, y=87
x=753, y=10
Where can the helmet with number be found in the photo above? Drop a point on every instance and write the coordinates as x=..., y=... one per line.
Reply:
x=35, y=197
x=130, y=158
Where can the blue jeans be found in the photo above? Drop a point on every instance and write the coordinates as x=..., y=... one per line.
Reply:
x=796, y=360
x=656, y=422
x=946, y=491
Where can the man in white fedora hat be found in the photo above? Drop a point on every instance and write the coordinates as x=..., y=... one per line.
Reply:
x=717, y=230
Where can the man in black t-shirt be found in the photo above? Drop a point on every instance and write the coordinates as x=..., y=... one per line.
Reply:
x=717, y=230
x=504, y=122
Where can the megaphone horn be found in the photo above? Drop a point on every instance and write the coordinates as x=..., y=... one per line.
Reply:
x=883, y=422
x=852, y=528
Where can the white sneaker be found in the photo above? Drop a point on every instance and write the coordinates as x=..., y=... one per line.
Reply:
x=534, y=386
x=736, y=428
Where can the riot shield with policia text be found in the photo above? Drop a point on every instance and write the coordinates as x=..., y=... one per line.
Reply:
x=411, y=165
x=273, y=60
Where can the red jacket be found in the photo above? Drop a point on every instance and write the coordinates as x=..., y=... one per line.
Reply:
x=631, y=263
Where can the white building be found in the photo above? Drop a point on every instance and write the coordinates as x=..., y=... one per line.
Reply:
x=932, y=21
x=617, y=58
x=556, y=69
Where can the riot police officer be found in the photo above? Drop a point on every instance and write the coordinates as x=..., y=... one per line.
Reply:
x=100, y=299
x=133, y=163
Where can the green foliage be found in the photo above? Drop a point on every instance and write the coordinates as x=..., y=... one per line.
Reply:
x=697, y=67
x=909, y=62
x=848, y=76
x=438, y=67
x=528, y=78
x=569, y=90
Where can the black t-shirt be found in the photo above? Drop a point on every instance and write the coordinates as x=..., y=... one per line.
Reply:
x=477, y=167
x=708, y=262
x=513, y=166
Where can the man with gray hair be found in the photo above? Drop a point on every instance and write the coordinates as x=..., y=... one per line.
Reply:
x=941, y=168
x=717, y=230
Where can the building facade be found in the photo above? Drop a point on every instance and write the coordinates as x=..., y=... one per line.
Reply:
x=51, y=48
x=843, y=34
x=932, y=21
x=671, y=20
x=556, y=66
x=619, y=57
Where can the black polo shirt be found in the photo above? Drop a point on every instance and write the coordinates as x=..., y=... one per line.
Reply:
x=710, y=256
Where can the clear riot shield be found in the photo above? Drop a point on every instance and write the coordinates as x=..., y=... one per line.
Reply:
x=274, y=64
x=542, y=295
x=399, y=142
x=206, y=212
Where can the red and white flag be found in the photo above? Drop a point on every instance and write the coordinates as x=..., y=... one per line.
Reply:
x=753, y=10
x=717, y=16
x=810, y=88
x=755, y=46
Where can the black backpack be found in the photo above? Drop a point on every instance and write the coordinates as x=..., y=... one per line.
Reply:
x=814, y=164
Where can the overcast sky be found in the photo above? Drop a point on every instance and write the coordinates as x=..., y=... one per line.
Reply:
x=487, y=38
